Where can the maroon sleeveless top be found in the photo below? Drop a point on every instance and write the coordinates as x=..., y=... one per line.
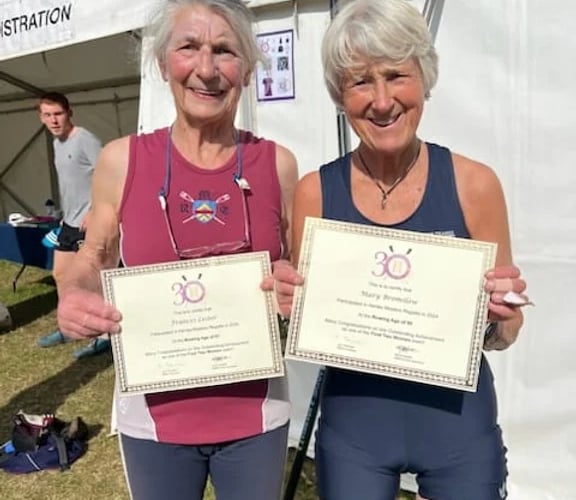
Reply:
x=205, y=208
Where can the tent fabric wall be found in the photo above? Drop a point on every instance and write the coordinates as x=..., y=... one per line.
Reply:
x=505, y=97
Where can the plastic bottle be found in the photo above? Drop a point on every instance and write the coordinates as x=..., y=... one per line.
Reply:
x=50, y=208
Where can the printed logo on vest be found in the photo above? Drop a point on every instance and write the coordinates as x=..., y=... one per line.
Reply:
x=204, y=209
x=445, y=233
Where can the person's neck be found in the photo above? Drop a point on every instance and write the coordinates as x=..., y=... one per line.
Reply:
x=208, y=146
x=68, y=133
x=387, y=169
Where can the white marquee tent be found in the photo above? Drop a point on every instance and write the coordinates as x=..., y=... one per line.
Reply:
x=504, y=97
x=94, y=62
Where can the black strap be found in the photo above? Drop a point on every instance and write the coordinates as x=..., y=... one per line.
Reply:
x=62, y=451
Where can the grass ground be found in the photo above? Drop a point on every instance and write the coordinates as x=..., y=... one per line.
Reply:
x=49, y=380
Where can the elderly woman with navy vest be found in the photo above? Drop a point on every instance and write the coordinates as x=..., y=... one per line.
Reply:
x=380, y=66
x=144, y=212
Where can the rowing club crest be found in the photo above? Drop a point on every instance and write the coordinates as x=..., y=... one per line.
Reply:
x=205, y=208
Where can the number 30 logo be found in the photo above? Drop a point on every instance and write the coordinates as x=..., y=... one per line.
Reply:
x=188, y=292
x=395, y=265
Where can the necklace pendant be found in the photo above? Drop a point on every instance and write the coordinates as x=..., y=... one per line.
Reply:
x=384, y=200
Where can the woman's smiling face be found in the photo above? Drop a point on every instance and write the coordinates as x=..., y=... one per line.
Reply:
x=204, y=66
x=384, y=104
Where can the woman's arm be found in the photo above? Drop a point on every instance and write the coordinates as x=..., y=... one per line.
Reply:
x=484, y=207
x=285, y=276
x=82, y=312
x=287, y=169
x=307, y=203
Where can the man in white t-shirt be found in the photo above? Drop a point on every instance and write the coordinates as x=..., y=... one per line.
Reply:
x=75, y=153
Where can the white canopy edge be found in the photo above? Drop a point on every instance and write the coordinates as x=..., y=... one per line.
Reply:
x=33, y=26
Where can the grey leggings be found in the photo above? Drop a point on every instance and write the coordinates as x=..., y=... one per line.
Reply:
x=246, y=469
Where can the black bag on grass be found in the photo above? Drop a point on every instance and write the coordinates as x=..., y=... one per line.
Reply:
x=41, y=442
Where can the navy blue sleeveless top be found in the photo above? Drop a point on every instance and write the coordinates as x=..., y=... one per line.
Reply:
x=439, y=211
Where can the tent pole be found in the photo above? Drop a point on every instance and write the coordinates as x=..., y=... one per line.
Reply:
x=116, y=104
x=54, y=188
x=432, y=12
x=72, y=89
x=306, y=434
x=341, y=122
x=4, y=187
x=76, y=105
x=21, y=84
x=16, y=198
x=23, y=149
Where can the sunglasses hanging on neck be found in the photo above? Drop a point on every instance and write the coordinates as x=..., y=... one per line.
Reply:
x=223, y=248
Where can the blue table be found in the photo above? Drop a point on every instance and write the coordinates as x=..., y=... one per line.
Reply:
x=23, y=245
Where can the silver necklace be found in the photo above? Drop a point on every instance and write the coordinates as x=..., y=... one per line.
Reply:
x=399, y=179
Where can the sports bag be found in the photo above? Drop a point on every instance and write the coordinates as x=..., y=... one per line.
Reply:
x=41, y=442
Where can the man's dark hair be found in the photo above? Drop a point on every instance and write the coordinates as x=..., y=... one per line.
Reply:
x=56, y=98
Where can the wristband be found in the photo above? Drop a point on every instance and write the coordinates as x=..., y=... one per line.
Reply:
x=490, y=331
x=492, y=339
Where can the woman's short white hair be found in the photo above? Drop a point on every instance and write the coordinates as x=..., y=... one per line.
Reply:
x=234, y=12
x=376, y=30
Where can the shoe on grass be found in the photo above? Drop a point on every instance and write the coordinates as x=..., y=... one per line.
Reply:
x=53, y=339
x=97, y=346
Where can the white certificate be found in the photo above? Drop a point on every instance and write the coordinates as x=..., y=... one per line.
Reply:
x=194, y=323
x=402, y=304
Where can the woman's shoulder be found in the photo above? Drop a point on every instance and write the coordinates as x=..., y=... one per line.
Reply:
x=253, y=147
x=249, y=137
x=257, y=146
x=285, y=158
x=477, y=183
x=116, y=147
x=473, y=174
x=309, y=182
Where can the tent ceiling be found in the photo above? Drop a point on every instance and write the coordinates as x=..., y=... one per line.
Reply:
x=102, y=63
x=102, y=80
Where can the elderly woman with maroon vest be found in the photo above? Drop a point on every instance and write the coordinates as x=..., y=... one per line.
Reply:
x=173, y=194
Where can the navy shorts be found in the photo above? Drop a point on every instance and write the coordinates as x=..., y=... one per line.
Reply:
x=246, y=469
x=372, y=429
x=70, y=239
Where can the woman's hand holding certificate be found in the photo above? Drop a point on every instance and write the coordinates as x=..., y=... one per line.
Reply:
x=380, y=301
x=187, y=324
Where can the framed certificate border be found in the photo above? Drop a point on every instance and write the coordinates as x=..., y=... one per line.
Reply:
x=294, y=350
x=270, y=322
